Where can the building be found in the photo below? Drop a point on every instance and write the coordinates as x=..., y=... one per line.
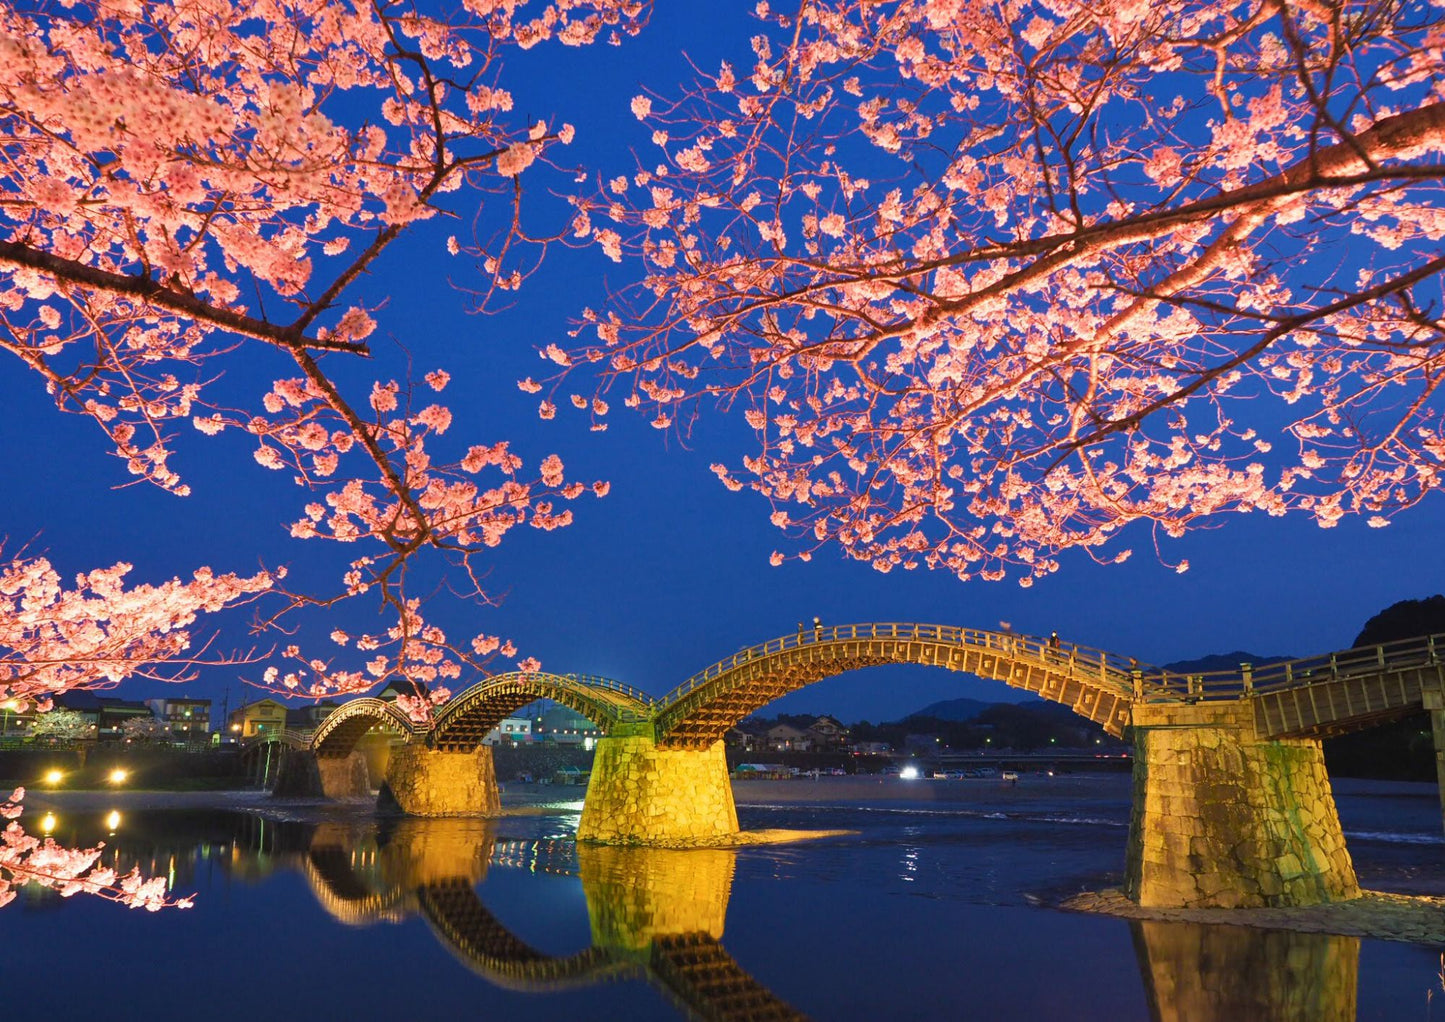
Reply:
x=401, y=687
x=737, y=738
x=265, y=716
x=189, y=719
x=105, y=714
x=827, y=734
x=563, y=726
x=511, y=729
x=872, y=748
x=13, y=720
x=309, y=718
x=786, y=738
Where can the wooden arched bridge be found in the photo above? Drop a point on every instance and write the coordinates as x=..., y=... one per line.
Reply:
x=660, y=777
x=1311, y=697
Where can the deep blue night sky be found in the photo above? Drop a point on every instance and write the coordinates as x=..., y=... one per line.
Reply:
x=670, y=571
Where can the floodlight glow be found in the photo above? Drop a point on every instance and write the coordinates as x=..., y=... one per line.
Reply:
x=909, y=773
x=118, y=776
x=112, y=821
x=47, y=823
x=54, y=777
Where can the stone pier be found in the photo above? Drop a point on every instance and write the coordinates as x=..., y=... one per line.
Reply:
x=1222, y=819
x=641, y=794
x=1435, y=704
x=429, y=782
x=306, y=775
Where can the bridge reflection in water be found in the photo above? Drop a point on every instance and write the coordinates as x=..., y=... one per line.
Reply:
x=1195, y=973
x=659, y=914
x=656, y=914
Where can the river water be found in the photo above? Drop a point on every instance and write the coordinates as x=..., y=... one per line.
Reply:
x=938, y=907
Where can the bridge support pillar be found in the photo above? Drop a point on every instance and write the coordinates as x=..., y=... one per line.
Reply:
x=1435, y=703
x=643, y=794
x=430, y=782
x=1223, y=819
x=307, y=775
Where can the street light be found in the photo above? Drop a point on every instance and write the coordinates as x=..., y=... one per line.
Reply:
x=118, y=776
x=53, y=777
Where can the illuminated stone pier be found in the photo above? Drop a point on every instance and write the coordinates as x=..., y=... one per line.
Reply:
x=1224, y=819
x=430, y=782
x=643, y=794
x=1434, y=699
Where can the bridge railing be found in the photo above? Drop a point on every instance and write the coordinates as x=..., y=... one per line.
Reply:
x=293, y=735
x=1249, y=679
x=612, y=684
x=1109, y=669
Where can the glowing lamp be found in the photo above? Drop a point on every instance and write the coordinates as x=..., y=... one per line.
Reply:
x=909, y=773
x=112, y=821
x=54, y=777
x=47, y=823
x=118, y=776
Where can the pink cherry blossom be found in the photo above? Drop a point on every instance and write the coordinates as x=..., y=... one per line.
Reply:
x=1033, y=274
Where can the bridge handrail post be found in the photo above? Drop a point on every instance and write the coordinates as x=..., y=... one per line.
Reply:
x=1380, y=655
x=1430, y=648
x=1139, y=685
x=1289, y=673
x=1334, y=665
x=1103, y=666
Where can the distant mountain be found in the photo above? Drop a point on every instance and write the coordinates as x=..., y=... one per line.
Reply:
x=1224, y=662
x=1404, y=620
x=961, y=710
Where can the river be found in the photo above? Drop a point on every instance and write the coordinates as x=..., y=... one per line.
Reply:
x=938, y=906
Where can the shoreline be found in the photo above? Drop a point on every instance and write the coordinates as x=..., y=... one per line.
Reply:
x=1379, y=915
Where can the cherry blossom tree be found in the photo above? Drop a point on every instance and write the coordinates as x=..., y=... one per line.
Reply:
x=993, y=281
x=53, y=639
x=61, y=726
x=190, y=187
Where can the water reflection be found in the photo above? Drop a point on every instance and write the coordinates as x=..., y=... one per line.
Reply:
x=1196, y=973
x=656, y=914
x=659, y=916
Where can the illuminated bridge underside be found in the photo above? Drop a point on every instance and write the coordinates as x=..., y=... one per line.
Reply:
x=701, y=976
x=338, y=734
x=340, y=891
x=480, y=940
x=467, y=719
x=703, y=715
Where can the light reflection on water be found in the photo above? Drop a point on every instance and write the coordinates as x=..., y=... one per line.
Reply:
x=931, y=916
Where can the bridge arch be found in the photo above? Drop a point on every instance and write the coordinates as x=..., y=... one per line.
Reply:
x=700, y=711
x=344, y=727
x=469, y=717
